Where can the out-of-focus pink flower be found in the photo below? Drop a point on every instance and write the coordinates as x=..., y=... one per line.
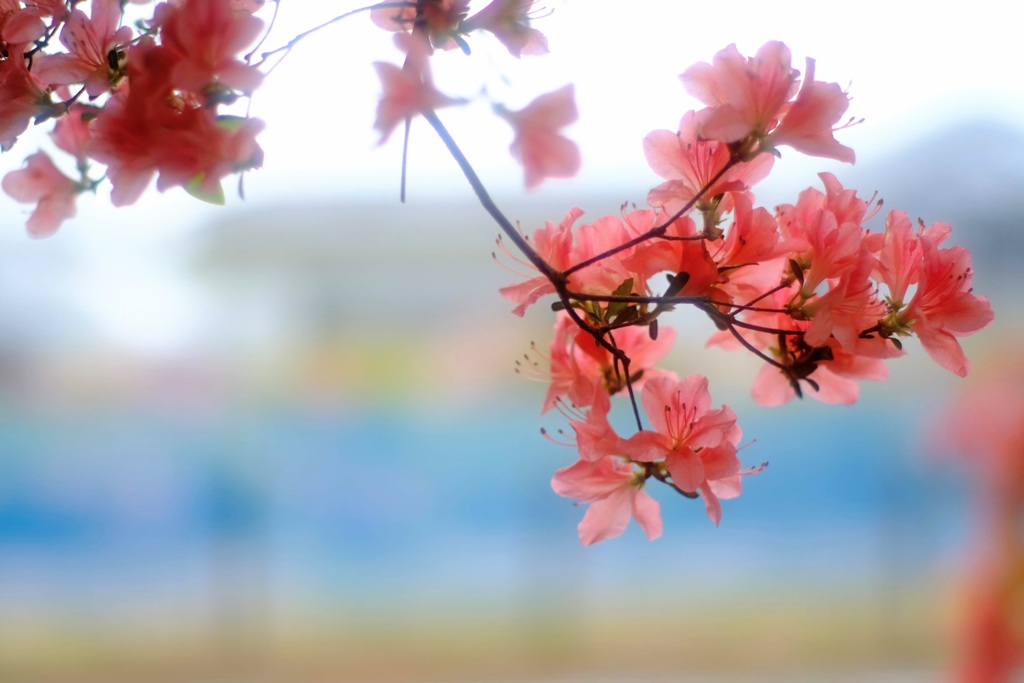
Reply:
x=206, y=38
x=442, y=20
x=249, y=6
x=983, y=428
x=22, y=98
x=538, y=145
x=615, y=492
x=408, y=90
x=509, y=21
x=71, y=132
x=19, y=25
x=42, y=183
x=144, y=130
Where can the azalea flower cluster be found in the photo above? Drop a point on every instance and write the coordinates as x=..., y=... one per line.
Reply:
x=142, y=101
x=149, y=100
x=812, y=291
x=822, y=299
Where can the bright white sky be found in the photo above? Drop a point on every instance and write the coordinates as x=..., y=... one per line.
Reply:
x=910, y=66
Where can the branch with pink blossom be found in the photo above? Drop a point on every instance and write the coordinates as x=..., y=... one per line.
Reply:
x=822, y=299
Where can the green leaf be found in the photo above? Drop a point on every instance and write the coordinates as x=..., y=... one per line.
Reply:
x=628, y=314
x=625, y=289
x=230, y=123
x=194, y=188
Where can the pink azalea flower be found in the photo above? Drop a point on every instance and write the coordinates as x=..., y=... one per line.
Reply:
x=615, y=492
x=89, y=41
x=753, y=238
x=581, y=370
x=683, y=425
x=808, y=124
x=19, y=26
x=42, y=183
x=744, y=96
x=407, y=91
x=751, y=97
x=574, y=375
x=509, y=21
x=688, y=163
x=553, y=243
x=538, y=145
x=595, y=437
x=71, y=132
x=899, y=258
x=22, y=98
x=143, y=130
x=944, y=307
x=697, y=444
x=688, y=255
x=207, y=37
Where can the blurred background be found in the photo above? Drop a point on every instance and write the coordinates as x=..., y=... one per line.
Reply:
x=284, y=440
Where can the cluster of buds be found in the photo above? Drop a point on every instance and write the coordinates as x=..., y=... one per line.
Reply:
x=142, y=101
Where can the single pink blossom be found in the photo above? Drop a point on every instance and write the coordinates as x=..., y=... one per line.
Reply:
x=22, y=98
x=407, y=91
x=19, y=26
x=89, y=41
x=899, y=258
x=744, y=96
x=689, y=164
x=683, y=424
x=944, y=306
x=71, y=132
x=538, y=145
x=615, y=492
x=808, y=123
x=42, y=183
x=553, y=243
x=207, y=38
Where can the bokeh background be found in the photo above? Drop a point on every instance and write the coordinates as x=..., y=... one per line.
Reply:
x=284, y=440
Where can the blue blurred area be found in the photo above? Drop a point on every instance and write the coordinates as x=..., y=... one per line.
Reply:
x=361, y=501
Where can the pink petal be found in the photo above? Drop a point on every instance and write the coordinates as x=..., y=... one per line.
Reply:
x=711, y=504
x=606, y=518
x=647, y=513
x=686, y=469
